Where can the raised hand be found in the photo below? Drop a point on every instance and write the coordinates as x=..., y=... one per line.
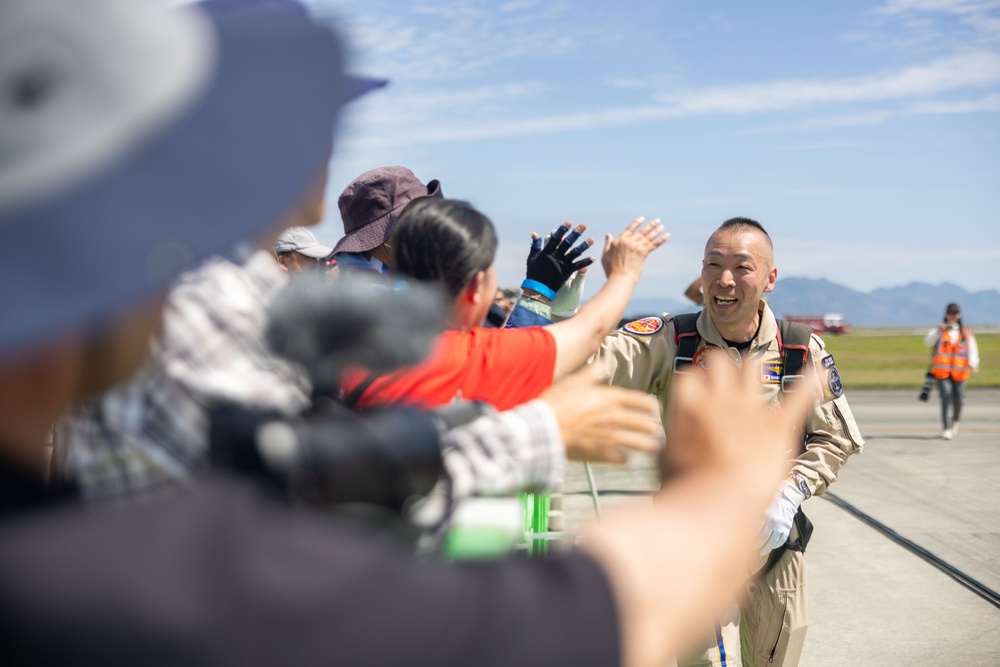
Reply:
x=626, y=253
x=551, y=264
x=599, y=422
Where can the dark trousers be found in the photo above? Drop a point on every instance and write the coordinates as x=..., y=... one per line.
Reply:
x=952, y=395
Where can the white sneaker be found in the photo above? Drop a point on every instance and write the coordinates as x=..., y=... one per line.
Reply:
x=948, y=434
x=954, y=429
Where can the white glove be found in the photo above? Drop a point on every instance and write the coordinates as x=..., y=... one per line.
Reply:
x=567, y=301
x=778, y=518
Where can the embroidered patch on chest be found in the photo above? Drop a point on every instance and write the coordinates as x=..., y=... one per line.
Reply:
x=771, y=371
x=645, y=326
x=699, y=360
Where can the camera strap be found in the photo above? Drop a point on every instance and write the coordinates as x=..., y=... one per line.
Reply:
x=350, y=400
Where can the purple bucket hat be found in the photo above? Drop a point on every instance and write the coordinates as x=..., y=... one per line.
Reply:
x=371, y=204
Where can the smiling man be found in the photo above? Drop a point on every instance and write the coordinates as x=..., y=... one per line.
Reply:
x=737, y=270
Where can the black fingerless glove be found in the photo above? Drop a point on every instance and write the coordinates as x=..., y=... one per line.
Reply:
x=552, y=265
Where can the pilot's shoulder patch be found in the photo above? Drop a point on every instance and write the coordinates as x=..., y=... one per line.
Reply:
x=645, y=326
x=835, y=383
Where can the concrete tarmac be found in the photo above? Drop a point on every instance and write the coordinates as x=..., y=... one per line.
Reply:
x=871, y=601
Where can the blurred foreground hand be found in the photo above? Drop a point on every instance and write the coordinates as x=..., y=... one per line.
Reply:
x=677, y=563
x=599, y=422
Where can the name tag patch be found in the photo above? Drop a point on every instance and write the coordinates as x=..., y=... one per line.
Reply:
x=645, y=326
x=771, y=371
x=828, y=361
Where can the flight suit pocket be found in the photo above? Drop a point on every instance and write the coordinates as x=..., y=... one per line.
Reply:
x=761, y=624
x=773, y=620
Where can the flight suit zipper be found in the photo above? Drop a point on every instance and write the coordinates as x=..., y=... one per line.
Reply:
x=843, y=423
x=781, y=626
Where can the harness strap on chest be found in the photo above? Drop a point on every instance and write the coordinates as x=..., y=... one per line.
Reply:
x=793, y=345
x=686, y=338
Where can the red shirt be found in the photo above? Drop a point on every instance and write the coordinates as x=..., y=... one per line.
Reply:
x=503, y=367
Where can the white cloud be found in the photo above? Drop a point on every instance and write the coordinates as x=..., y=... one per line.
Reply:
x=517, y=5
x=988, y=103
x=948, y=6
x=973, y=69
x=455, y=40
x=977, y=23
x=967, y=70
x=627, y=83
x=842, y=120
x=433, y=47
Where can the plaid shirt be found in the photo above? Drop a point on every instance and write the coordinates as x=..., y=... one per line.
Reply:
x=152, y=431
x=504, y=453
x=499, y=454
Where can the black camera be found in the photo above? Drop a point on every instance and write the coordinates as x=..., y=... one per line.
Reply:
x=332, y=456
x=381, y=459
x=925, y=392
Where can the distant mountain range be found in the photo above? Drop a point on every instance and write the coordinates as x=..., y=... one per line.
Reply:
x=916, y=304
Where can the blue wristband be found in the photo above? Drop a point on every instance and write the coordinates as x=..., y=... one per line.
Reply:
x=544, y=290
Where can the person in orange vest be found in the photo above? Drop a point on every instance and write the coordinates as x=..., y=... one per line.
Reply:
x=956, y=355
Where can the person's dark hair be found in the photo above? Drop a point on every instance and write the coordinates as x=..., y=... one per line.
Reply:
x=952, y=308
x=740, y=222
x=445, y=241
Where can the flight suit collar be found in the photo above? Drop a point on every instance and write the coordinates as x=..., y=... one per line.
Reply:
x=766, y=333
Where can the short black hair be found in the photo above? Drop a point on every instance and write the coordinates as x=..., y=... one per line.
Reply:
x=741, y=222
x=446, y=241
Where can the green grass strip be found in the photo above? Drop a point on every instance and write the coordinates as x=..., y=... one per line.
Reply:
x=891, y=359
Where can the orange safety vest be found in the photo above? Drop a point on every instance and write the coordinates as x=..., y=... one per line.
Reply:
x=952, y=359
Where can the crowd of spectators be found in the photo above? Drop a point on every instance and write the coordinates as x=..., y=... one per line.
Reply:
x=128, y=542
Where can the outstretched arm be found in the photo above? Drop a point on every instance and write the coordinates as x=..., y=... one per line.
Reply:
x=599, y=422
x=693, y=292
x=579, y=337
x=526, y=447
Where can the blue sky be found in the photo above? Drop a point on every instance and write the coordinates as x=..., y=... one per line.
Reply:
x=864, y=135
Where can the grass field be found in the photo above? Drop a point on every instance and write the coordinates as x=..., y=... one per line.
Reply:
x=892, y=359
